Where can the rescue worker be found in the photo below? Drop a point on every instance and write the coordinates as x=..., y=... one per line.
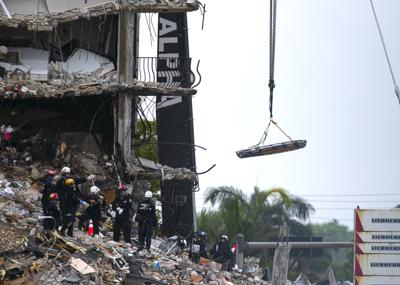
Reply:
x=221, y=252
x=53, y=211
x=60, y=184
x=48, y=188
x=198, y=246
x=93, y=211
x=70, y=202
x=61, y=188
x=7, y=135
x=122, y=207
x=147, y=220
x=65, y=174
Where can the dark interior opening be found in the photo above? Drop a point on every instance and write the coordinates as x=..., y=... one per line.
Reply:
x=83, y=123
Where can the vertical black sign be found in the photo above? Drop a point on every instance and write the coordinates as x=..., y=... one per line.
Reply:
x=175, y=123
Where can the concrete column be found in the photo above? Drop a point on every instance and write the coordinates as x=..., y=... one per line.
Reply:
x=126, y=57
x=240, y=251
x=281, y=264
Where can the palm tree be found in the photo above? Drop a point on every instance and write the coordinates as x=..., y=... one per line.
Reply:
x=258, y=216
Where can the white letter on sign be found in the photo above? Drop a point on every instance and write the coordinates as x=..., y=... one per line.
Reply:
x=166, y=26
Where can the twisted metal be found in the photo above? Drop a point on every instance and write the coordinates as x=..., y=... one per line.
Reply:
x=178, y=70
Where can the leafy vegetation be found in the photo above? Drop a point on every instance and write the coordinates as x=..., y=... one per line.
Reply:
x=258, y=216
x=146, y=145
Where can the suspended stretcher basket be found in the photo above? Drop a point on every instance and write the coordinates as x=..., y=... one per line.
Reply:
x=261, y=149
x=271, y=149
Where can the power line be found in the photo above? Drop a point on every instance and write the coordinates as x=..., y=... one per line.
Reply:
x=331, y=219
x=351, y=195
x=335, y=209
x=341, y=195
x=351, y=201
x=338, y=201
x=396, y=88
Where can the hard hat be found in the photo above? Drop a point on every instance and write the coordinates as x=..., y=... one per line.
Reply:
x=148, y=194
x=122, y=187
x=69, y=182
x=66, y=169
x=50, y=172
x=202, y=234
x=224, y=237
x=94, y=190
x=53, y=196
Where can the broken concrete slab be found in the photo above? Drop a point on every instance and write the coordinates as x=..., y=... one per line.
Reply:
x=81, y=266
x=302, y=279
x=86, y=62
x=57, y=13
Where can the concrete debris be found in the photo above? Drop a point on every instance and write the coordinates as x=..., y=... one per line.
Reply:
x=27, y=73
x=81, y=266
x=331, y=276
x=45, y=257
x=30, y=254
x=3, y=51
x=86, y=62
x=44, y=15
x=302, y=280
x=146, y=169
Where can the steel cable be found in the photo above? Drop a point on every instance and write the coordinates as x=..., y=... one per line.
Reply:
x=272, y=36
x=396, y=88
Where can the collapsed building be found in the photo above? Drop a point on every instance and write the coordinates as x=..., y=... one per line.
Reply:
x=71, y=78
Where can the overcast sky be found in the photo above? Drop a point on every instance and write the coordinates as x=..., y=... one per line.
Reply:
x=333, y=88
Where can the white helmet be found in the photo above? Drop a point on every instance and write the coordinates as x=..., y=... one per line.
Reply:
x=94, y=190
x=66, y=169
x=148, y=194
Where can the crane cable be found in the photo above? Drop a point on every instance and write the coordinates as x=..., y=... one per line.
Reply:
x=271, y=83
x=396, y=87
x=272, y=32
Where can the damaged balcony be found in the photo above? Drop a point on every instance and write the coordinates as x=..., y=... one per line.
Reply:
x=44, y=15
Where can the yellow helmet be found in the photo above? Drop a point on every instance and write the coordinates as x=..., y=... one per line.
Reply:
x=69, y=182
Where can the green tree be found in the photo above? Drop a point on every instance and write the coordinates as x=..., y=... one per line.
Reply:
x=146, y=140
x=340, y=259
x=258, y=216
x=146, y=145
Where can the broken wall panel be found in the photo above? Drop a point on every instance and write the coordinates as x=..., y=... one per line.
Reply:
x=26, y=7
x=97, y=35
x=61, y=6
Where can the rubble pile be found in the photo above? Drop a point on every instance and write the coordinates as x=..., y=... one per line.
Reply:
x=28, y=254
